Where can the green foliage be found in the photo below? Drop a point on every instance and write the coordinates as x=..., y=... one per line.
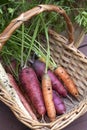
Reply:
x=81, y=19
x=3, y=2
x=7, y=13
x=10, y=9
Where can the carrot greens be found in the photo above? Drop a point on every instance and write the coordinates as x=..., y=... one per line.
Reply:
x=32, y=41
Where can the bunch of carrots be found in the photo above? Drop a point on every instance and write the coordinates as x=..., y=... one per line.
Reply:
x=41, y=88
x=43, y=91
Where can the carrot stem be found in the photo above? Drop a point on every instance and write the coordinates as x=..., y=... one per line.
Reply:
x=32, y=41
x=48, y=51
x=22, y=46
x=48, y=46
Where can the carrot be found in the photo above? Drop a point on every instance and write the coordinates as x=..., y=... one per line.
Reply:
x=32, y=107
x=59, y=104
x=20, y=94
x=31, y=86
x=57, y=85
x=48, y=97
x=69, y=83
x=39, y=68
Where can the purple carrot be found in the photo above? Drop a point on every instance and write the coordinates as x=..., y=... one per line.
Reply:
x=59, y=104
x=32, y=88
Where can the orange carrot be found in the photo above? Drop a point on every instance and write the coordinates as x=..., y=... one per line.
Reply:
x=48, y=97
x=69, y=83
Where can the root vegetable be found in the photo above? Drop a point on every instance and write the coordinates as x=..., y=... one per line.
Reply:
x=32, y=88
x=69, y=83
x=48, y=97
x=59, y=104
x=57, y=85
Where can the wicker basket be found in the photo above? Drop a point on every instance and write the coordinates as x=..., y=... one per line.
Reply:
x=64, y=52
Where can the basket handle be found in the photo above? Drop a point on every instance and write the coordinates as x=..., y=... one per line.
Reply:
x=15, y=23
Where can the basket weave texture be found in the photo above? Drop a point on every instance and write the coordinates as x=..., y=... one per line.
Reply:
x=65, y=54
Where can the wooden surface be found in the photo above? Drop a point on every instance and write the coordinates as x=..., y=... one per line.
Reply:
x=9, y=122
